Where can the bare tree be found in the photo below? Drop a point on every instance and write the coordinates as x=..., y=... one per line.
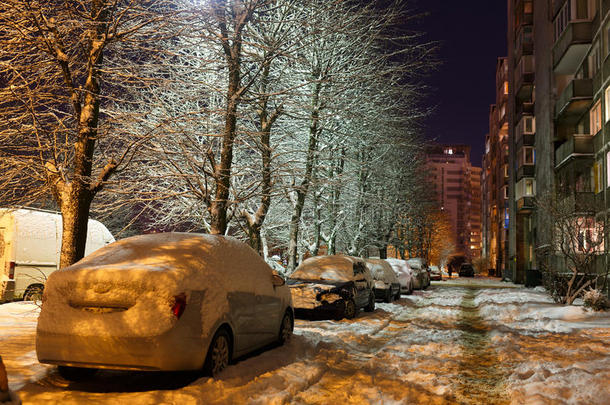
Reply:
x=64, y=66
x=574, y=261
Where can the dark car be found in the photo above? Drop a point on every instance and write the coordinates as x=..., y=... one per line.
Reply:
x=466, y=270
x=336, y=286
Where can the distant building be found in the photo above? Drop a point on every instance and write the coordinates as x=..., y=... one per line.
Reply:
x=457, y=185
x=495, y=181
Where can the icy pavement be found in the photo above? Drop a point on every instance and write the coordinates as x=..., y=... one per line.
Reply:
x=469, y=341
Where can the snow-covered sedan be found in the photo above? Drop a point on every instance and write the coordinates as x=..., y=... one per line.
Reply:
x=421, y=273
x=387, y=287
x=435, y=273
x=170, y=301
x=334, y=285
x=404, y=274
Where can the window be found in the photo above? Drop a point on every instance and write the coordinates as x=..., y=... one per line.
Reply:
x=594, y=60
x=505, y=87
x=607, y=103
x=529, y=187
x=597, y=176
x=505, y=192
x=608, y=169
x=595, y=118
x=528, y=155
x=606, y=38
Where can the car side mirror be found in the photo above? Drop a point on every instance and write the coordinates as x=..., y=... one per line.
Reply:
x=277, y=280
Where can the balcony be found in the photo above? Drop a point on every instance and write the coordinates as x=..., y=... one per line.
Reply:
x=525, y=204
x=526, y=140
x=523, y=109
x=524, y=77
x=574, y=101
x=579, y=202
x=524, y=13
x=526, y=171
x=578, y=146
x=572, y=46
x=524, y=44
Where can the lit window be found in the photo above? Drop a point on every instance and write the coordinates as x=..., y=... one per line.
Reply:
x=529, y=156
x=607, y=103
x=595, y=118
x=505, y=87
x=529, y=187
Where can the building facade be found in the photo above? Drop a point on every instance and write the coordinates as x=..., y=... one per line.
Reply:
x=559, y=118
x=457, y=186
x=495, y=176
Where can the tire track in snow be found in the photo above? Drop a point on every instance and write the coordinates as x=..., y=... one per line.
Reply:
x=481, y=378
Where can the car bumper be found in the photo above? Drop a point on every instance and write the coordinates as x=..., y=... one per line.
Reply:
x=381, y=293
x=436, y=277
x=182, y=347
x=324, y=309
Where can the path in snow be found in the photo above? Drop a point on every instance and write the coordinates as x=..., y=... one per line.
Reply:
x=460, y=342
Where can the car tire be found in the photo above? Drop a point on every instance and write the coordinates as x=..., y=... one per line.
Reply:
x=76, y=373
x=410, y=290
x=219, y=353
x=349, y=312
x=33, y=293
x=388, y=295
x=370, y=307
x=286, y=328
x=397, y=296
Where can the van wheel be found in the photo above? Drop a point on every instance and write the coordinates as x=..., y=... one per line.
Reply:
x=219, y=354
x=76, y=373
x=33, y=293
x=286, y=328
x=370, y=307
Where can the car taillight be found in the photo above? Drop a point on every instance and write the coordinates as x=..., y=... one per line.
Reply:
x=11, y=270
x=179, y=305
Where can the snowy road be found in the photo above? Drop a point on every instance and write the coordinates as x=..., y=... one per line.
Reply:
x=462, y=341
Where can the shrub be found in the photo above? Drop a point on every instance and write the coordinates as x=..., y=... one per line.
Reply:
x=596, y=300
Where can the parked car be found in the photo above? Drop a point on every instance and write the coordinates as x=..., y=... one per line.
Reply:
x=466, y=270
x=168, y=301
x=435, y=273
x=30, y=244
x=420, y=270
x=404, y=274
x=334, y=285
x=386, y=287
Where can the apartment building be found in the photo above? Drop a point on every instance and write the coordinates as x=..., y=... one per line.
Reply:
x=495, y=176
x=558, y=115
x=457, y=185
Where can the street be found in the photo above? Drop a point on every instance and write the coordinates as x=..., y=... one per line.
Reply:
x=462, y=341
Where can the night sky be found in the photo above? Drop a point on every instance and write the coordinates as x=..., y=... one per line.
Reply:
x=472, y=36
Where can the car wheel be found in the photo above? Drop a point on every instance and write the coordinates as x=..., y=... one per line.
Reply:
x=397, y=296
x=350, y=309
x=286, y=328
x=410, y=290
x=33, y=293
x=370, y=307
x=219, y=354
x=388, y=295
x=76, y=373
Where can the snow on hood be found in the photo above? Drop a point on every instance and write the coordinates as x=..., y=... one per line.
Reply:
x=145, y=273
x=336, y=267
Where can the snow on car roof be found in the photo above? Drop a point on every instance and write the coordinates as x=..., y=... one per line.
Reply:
x=147, y=271
x=335, y=267
x=381, y=270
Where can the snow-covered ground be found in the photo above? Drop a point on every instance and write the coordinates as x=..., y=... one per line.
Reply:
x=461, y=341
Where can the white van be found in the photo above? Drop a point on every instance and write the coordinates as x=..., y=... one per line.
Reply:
x=30, y=244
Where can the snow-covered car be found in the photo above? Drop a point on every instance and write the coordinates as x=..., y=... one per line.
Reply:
x=334, y=285
x=169, y=301
x=420, y=270
x=435, y=273
x=404, y=274
x=386, y=287
x=466, y=270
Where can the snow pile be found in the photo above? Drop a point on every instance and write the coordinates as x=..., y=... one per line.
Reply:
x=141, y=275
x=334, y=268
x=17, y=318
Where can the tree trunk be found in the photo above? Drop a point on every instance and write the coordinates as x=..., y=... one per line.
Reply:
x=301, y=191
